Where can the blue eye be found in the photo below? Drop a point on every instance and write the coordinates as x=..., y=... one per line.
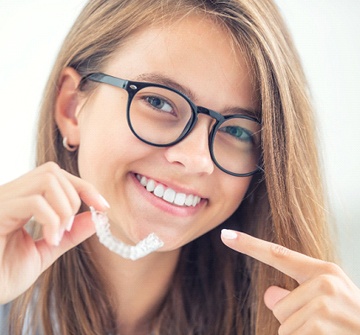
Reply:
x=159, y=103
x=239, y=133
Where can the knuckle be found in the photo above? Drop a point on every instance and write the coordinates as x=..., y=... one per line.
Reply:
x=40, y=205
x=322, y=307
x=64, y=210
x=279, y=251
x=278, y=313
x=36, y=201
x=314, y=326
x=49, y=180
x=327, y=284
x=51, y=167
x=65, y=213
x=75, y=205
x=331, y=268
x=283, y=330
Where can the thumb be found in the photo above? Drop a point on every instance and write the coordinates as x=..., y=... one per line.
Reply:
x=82, y=228
x=273, y=295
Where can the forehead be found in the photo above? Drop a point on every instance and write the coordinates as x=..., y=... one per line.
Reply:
x=195, y=51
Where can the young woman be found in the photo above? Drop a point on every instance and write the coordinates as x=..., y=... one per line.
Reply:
x=191, y=118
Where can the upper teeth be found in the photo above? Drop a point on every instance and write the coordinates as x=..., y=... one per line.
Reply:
x=168, y=194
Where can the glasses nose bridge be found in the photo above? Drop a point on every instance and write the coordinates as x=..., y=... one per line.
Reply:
x=212, y=114
x=191, y=125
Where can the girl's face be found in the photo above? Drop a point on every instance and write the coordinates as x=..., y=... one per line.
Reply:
x=197, y=56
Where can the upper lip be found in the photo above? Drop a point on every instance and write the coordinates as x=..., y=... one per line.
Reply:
x=174, y=186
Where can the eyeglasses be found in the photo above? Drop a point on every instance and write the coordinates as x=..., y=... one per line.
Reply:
x=162, y=116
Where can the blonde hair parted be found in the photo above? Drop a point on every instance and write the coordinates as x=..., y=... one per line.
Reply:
x=219, y=292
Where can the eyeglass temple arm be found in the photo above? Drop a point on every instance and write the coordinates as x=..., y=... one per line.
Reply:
x=107, y=79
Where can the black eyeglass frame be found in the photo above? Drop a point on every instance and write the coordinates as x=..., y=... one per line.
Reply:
x=132, y=87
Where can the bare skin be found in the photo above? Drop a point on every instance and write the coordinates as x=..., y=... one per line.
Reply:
x=326, y=300
x=95, y=125
x=52, y=196
x=139, y=287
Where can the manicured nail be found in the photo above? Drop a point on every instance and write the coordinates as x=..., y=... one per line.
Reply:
x=103, y=200
x=70, y=223
x=58, y=237
x=228, y=234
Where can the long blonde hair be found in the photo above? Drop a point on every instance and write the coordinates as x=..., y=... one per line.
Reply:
x=219, y=292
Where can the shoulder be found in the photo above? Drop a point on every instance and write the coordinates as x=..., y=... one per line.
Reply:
x=4, y=321
x=4, y=318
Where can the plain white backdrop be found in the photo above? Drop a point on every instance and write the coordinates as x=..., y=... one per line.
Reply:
x=326, y=32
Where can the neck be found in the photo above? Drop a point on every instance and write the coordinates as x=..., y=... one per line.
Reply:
x=138, y=287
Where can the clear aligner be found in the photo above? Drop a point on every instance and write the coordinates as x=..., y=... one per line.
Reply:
x=143, y=248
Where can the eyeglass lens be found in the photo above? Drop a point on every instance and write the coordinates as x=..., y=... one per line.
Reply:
x=160, y=116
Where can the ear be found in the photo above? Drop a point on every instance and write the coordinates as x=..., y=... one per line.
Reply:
x=68, y=104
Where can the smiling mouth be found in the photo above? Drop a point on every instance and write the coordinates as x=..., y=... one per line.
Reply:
x=167, y=193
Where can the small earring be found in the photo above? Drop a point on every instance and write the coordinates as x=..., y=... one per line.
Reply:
x=68, y=147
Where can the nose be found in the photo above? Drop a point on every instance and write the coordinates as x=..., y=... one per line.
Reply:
x=193, y=153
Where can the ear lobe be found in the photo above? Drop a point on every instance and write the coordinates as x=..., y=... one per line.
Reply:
x=68, y=104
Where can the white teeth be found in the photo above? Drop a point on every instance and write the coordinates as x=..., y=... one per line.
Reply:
x=189, y=200
x=196, y=200
x=143, y=181
x=159, y=191
x=180, y=199
x=150, y=186
x=168, y=194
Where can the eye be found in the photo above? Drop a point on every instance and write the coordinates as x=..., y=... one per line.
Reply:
x=159, y=103
x=237, y=132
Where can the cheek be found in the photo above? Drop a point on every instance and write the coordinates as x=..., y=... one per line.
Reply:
x=105, y=137
x=104, y=114
x=234, y=193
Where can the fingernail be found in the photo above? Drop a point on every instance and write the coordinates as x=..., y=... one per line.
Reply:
x=228, y=234
x=58, y=237
x=103, y=200
x=70, y=223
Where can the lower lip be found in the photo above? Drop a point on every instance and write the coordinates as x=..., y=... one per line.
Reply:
x=164, y=205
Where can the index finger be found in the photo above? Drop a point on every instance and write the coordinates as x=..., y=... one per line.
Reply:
x=294, y=264
x=88, y=193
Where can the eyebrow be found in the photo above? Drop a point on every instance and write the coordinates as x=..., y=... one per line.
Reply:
x=166, y=81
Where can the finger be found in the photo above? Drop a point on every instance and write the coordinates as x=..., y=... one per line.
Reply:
x=88, y=193
x=273, y=295
x=313, y=318
x=60, y=189
x=69, y=190
x=29, y=183
x=33, y=183
x=16, y=212
x=294, y=318
x=76, y=187
x=331, y=284
x=294, y=264
x=82, y=229
x=61, y=196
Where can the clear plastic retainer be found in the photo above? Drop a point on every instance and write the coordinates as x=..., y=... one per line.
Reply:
x=146, y=246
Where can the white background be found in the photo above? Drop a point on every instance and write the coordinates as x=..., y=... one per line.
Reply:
x=326, y=32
